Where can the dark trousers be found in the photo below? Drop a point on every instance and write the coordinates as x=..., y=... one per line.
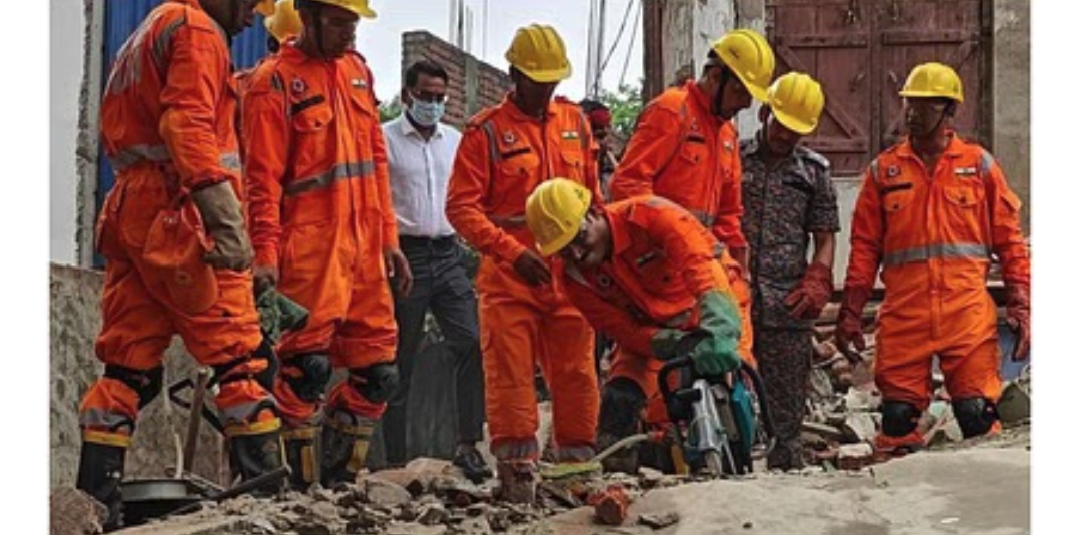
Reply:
x=440, y=284
x=784, y=363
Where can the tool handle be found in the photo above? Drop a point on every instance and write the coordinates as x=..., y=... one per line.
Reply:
x=195, y=417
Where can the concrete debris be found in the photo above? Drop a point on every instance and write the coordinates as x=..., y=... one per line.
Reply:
x=433, y=514
x=475, y=526
x=411, y=528
x=858, y=427
x=384, y=493
x=862, y=399
x=659, y=521
x=74, y=512
x=1015, y=403
x=611, y=505
x=854, y=456
x=261, y=526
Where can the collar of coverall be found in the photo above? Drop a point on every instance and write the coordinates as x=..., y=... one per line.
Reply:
x=518, y=115
x=620, y=233
x=954, y=149
x=703, y=102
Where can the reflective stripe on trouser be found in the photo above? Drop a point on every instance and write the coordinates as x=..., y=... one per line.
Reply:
x=139, y=316
x=341, y=280
x=341, y=171
x=521, y=327
x=959, y=327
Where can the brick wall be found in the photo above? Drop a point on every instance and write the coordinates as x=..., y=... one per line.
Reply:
x=474, y=85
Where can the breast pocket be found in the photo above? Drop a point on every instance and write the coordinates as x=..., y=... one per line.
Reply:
x=965, y=210
x=311, y=121
x=572, y=162
x=693, y=151
x=516, y=171
x=896, y=198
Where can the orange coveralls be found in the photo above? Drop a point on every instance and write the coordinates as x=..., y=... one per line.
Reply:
x=662, y=262
x=167, y=127
x=933, y=232
x=504, y=154
x=680, y=150
x=319, y=202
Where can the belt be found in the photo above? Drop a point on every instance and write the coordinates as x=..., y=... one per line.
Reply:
x=424, y=241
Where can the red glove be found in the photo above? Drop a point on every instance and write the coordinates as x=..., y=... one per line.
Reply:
x=849, y=322
x=1018, y=316
x=809, y=298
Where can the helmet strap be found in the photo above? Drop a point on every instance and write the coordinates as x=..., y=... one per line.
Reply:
x=718, y=100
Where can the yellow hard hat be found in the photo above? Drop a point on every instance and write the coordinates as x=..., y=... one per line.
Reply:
x=796, y=100
x=539, y=53
x=933, y=80
x=554, y=212
x=285, y=22
x=360, y=7
x=749, y=55
x=265, y=7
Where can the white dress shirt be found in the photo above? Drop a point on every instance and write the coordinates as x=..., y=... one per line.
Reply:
x=419, y=172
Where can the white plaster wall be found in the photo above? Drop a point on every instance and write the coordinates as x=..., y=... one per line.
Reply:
x=66, y=54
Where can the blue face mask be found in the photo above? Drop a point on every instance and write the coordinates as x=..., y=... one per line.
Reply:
x=426, y=113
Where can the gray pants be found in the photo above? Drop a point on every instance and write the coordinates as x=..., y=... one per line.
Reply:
x=784, y=363
x=440, y=284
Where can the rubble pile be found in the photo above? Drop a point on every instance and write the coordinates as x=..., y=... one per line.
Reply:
x=431, y=497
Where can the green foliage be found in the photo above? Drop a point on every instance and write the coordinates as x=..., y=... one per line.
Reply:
x=625, y=105
x=390, y=110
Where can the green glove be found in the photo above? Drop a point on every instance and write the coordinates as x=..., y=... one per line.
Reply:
x=278, y=314
x=718, y=352
x=665, y=342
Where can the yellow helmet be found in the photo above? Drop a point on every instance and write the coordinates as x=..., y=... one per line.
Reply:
x=796, y=100
x=749, y=55
x=360, y=7
x=554, y=212
x=285, y=22
x=265, y=7
x=539, y=53
x=933, y=80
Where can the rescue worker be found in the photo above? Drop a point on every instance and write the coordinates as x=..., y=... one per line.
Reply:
x=525, y=318
x=686, y=148
x=172, y=233
x=599, y=116
x=325, y=235
x=788, y=198
x=931, y=212
x=645, y=272
x=282, y=24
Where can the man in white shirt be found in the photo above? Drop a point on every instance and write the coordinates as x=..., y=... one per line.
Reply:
x=421, y=152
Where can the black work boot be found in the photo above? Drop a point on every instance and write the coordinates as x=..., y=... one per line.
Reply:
x=101, y=467
x=345, y=442
x=256, y=454
x=300, y=456
x=621, y=403
x=472, y=463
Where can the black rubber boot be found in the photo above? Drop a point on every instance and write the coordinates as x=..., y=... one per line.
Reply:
x=621, y=403
x=256, y=454
x=345, y=442
x=101, y=467
x=300, y=456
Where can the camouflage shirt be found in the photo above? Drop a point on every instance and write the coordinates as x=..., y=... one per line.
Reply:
x=781, y=208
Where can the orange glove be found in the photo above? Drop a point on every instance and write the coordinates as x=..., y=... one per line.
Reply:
x=1018, y=316
x=849, y=323
x=809, y=298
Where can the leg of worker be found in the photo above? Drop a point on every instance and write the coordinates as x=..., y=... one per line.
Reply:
x=365, y=344
x=410, y=313
x=454, y=306
x=974, y=383
x=313, y=275
x=225, y=338
x=784, y=362
x=566, y=359
x=135, y=333
x=902, y=373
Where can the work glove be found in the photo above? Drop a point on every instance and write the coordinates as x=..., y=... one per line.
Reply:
x=849, y=323
x=1018, y=317
x=224, y=221
x=809, y=298
x=718, y=351
x=266, y=277
x=531, y=267
x=279, y=314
